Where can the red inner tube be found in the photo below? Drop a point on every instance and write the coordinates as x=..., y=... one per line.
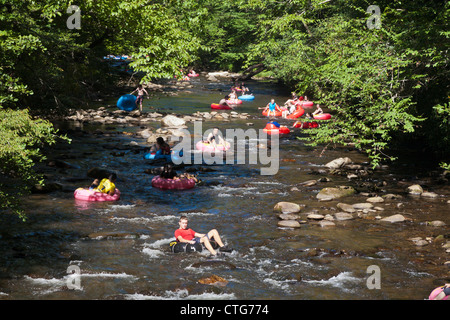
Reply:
x=322, y=116
x=297, y=113
x=306, y=125
x=277, y=113
x=273, y=129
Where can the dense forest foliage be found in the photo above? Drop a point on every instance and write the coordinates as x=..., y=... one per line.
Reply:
x=384, y=75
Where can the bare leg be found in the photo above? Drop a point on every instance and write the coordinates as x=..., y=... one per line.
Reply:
x=214, y=234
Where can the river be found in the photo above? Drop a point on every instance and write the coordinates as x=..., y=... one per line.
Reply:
x=268, y=262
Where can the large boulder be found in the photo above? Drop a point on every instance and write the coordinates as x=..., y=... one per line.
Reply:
x=415, y=189
x=172, y=121
x=335, y=193
x=287, y=207
x=338, y=163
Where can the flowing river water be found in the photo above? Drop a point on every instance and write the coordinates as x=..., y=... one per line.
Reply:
x=268, y=262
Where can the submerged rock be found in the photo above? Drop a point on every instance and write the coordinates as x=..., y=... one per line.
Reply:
x=346, y=207
x=214, y=264
x=343, y=216
x=214, y=280
x=326, y=223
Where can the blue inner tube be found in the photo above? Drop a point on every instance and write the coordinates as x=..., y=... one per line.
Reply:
x=127, y=102
x=246, y=97
x=158, y=155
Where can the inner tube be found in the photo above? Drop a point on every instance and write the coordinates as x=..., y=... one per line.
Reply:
x=206, y=146
x=307, y=104
x=127, y=102
x=234, y=101
x=277, y=113
x=436, y=292
x=171, y=184
x=236, y=89
x=322, y=116
x=179, y=247
x=157, y=155
x=297, y=113
x=193, y=75
x=220, y=106
x=246, y=97
x=91, y=195
x=306, y=125
x=273, y=129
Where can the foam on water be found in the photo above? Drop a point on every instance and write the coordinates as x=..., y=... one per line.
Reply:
x=182, y=295
x=339, y=281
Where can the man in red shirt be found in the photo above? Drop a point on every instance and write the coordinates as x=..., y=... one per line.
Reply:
x=183, y=234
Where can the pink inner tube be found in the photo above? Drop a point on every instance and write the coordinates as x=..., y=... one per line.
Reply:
x=307, y=103
x=193, y=75
x=171, y=184
x=206, y=146
x=220, y=106
x=91, y=195
x=234, y=101
x=322, y=116
x=435, y=292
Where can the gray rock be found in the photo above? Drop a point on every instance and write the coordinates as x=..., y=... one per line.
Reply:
x=375, y=199
x=338, y=163
x=289, y=216
x=362, y=206
x=315, y=216
x=415, y=189
x=341, y=216
x=429, y=195
x=346, y=207
x=172, y=121
x=287, y=207
x=289, y=224
x=394, y=218
x=335, y=193
x=326, y=223
x=436, y=223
